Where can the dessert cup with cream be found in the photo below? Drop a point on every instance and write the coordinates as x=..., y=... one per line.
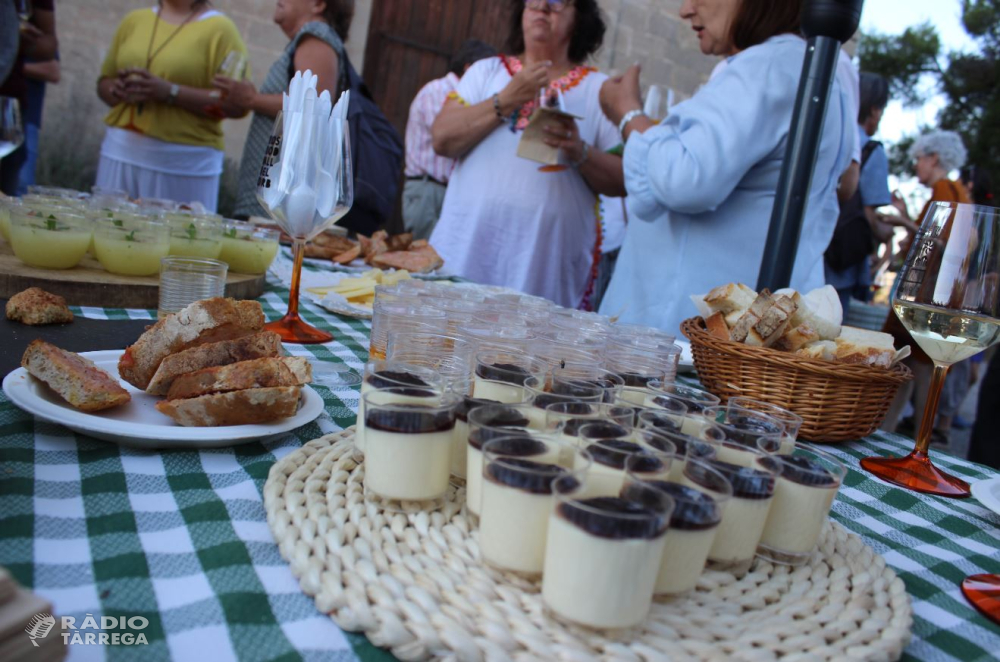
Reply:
x=791, y=421
x=805, y=491
x=487, y=422
x=517, y=499
x=419, y=382
x=745, y=514
x=408, y=448
x=501, y=376
x=694, y=522
x=604, y=550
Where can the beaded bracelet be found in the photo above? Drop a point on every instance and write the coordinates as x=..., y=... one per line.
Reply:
x=496, y=107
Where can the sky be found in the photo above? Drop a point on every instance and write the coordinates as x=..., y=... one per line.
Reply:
x=893, y=17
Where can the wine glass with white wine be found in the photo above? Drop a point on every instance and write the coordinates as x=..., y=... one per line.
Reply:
x=946, y=295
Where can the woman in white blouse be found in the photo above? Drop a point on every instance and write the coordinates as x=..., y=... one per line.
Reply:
x=702, y=183
x=503, y=222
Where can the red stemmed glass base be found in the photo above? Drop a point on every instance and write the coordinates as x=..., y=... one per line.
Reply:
x=983, y=591
x=915, y=472
x=294, y=329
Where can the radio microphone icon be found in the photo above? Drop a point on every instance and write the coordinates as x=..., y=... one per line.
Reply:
x=39, y=627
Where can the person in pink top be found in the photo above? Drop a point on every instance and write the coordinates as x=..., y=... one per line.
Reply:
x=426, y=172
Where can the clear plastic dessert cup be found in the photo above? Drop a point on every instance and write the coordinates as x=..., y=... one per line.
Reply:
x=742, y=526
x=805, y=491
x=501, y=376
x=131, y=245
x=487, y=422
x=517, y=497
x=248, y=248
x=791, y=420
x=610, y=446
x=422, y=382
x=604, y=551
x=407, y=449
x=693, y=525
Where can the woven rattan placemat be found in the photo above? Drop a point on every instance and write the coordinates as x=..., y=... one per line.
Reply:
x=414, y=584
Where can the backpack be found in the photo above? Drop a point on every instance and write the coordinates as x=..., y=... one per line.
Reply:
x=377, y=152
x=852, y=239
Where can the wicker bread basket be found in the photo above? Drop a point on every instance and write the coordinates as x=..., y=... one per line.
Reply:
x=837, y=401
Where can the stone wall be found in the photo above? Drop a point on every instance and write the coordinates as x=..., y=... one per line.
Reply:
x=645, y=31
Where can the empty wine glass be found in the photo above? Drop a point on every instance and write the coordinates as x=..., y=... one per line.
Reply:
x=946, y=295
x=11, y=129
x=317, y=200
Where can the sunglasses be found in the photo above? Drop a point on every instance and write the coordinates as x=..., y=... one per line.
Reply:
x=555, y=6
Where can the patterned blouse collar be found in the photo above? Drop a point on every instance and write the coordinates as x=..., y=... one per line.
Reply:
x=566, y=82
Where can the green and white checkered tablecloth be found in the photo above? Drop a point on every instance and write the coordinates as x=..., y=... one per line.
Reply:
x=180, y=538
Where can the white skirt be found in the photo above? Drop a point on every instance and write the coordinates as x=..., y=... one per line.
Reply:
x=149, y=168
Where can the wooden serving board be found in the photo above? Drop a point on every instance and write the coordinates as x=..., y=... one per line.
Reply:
x=88, y=284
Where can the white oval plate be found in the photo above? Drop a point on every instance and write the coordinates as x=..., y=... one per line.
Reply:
x=987, y=492
x=137, y=423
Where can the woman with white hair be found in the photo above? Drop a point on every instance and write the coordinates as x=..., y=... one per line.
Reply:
x=934, y=155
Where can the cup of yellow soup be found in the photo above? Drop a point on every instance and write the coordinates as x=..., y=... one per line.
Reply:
x=49, y=237
x=131, y=245
x=6, y=204
x=194, y=235
x=248, y=248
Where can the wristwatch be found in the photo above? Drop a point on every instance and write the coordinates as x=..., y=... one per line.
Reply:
x=629, y=116
x=175, y=89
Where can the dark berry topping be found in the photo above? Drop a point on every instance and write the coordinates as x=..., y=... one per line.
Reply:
x=481, y=436
x=670, y=404
x=543, y=400
x=579, y=388
x=604, y=430
x=468, y=404
x=614, y=518
x=613, y=452
x=526, y=475
x=409, y=419
x=747, y=483
x=504, y=417
x=389, y=378
x=747, y=430
x=503, y=372
x=693, y=510
x=519, y=446
x=806, y=471
x=663, y=422
x=635, y=379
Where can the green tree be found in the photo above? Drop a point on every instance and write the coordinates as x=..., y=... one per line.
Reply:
x=917, y=69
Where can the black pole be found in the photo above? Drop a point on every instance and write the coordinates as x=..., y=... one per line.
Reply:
x=826, y=24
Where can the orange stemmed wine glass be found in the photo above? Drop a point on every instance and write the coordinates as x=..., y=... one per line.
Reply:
x=946, y=295
x=317, y=200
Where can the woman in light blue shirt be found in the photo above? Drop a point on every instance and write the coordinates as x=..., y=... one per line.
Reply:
x=701, y=184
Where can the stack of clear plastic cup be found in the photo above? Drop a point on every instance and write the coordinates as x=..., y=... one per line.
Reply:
x=460, y=312
x=579, y=320
x=498, y=337
x=452, y=357
x=404, y=316
x=651, y=334
x=54, y=192
x=562, y=354
x=636, y=350
x=571, y=374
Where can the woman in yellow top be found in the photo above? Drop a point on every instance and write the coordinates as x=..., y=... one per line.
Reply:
x=164, y=135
